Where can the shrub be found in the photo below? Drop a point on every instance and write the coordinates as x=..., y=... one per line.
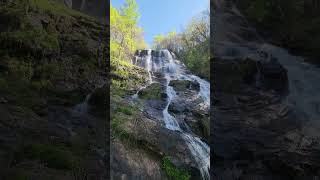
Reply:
x=20, y=69
x=173, y=172
x=53, y=156
x=125, y=110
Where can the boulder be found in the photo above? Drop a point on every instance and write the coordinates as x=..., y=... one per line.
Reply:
x=183, y=85
x=231, y=75
x=273, y=75
x=153, y=91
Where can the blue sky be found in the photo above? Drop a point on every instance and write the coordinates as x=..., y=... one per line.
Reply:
x=163, y=16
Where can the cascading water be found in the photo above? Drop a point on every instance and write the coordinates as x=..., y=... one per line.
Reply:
x=139, y=59
x=173, y=70
x=148, y=65
x=83, y=107
x=169, y=120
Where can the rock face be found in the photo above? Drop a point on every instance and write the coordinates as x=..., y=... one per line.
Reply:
x=172, y=121
x=256, y=134
x=182, y=85
x=94, y=8
x=273, y=76
x=48, y=68
x=249, y=132
x=188, y=107
x=234, y=74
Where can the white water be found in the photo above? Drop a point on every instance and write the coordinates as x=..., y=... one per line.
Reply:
x=138, y=60
x=149, y=65
x=304, y=83
x=170, y=121
x=82, y=107
x=173, y=70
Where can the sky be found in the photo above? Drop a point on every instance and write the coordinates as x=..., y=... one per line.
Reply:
x=162, y=16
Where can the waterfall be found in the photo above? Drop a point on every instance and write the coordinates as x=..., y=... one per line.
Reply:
x=83, y=3
x=149, y=65
x=162, y=61
x=83, y=107
x=169, y=120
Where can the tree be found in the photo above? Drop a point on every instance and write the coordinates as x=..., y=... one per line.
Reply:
x=192, y=45
x=126, y=36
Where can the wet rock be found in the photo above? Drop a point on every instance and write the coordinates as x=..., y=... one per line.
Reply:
x=155, y=137
x=134, y=163
x=188, y=108
x=153, y=91
x=3, y=100
x=273, y=76
x=182, y=85
x=231, y=75
x=99, y=97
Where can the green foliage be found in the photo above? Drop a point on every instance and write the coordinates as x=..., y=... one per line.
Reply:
x=292, y=23
x=20, y=69
x=125, y=110
x=17, y=174
x=54, y=7
x=257, y=10
x=52, y=155
x=126, y=35
x=126, y=76
x=173, y=172
x=3, y=83
x=34, y=38
x=192, y=46
x=41, y=85
x=153, y=91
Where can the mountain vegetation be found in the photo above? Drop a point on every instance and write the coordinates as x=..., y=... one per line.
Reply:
x=51, y=58
x=192, y=46
x=293, y=24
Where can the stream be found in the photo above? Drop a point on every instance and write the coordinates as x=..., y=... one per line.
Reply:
x=303, y=77
x=173, y=69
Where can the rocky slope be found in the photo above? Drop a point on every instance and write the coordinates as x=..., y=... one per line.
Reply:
x=95, y=8
x=290, y=24
x=154, y=124
x=52, y=57
x=262, y=128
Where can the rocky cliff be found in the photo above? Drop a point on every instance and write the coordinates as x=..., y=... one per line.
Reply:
x=53, y=92
x=160, y=119
x=92, y=7
x=265, y=109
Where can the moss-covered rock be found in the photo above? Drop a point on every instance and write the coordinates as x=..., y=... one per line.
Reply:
x=173, y=172
x=182, y=85
x=99, y=97
x=292, y=24
x=53, y=156
x=232, y=75
x=153, y=91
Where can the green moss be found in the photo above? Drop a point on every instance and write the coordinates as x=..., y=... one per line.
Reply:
x=121, y=112
x=117, y=130
x=55, y=7
x=35, y=38
x=205, y=125
x=73, y=97
x=125, y=110
x=42, y=85
x=126, y=76
x=153, y=91
x=20, y=69
x=99, y=97
x=257, y=10
x=3, y=83
x=52, y=155
x=173, y=172
x=180, y=85
x=17, y=174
